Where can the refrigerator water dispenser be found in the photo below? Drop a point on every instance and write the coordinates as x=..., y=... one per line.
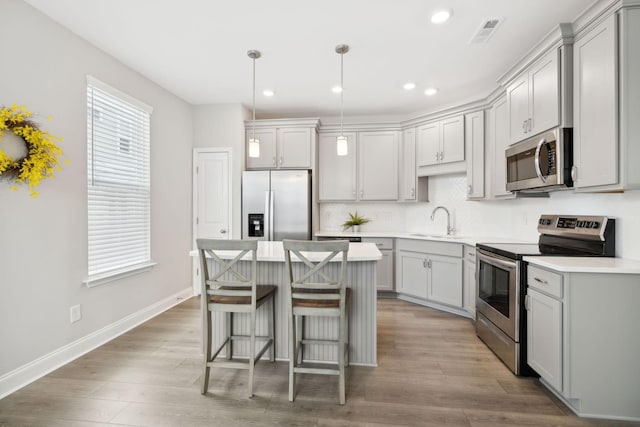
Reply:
x=256, y=225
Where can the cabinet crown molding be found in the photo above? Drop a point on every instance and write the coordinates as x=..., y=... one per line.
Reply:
x=281, y=123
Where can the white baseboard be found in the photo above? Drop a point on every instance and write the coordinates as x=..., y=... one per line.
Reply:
x=26, y=374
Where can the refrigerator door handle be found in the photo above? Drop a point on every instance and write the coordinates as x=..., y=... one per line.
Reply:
x=267, y=216
x=271, y=215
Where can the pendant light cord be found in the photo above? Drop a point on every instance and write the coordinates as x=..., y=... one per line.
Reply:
x=253, y=127
x=341, y=92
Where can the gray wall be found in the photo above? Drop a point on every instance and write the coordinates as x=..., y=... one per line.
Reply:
x=43, y=241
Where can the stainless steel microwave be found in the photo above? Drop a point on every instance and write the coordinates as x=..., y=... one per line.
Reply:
x=542, y=162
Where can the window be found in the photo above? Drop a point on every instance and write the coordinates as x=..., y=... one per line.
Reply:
x=118, y=183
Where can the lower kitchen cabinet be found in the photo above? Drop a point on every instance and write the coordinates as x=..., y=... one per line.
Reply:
x=469, y=280
x=582, y=338
x=430, y=271
x=384, y=270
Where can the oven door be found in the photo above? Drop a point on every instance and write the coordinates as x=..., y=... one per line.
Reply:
x=497, y=298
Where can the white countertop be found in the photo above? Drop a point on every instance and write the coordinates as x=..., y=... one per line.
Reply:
x=273, y=251
x=467, y=240
x=586, y=264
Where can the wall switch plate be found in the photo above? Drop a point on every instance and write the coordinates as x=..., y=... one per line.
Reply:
x=76, y=313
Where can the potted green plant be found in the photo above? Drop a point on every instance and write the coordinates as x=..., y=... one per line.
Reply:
x=355, y=221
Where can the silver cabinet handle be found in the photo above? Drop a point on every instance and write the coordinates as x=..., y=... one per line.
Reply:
x=437, y=156
x=223, y=231
x=524, y=126
x=274, y=161
x=429, y=264
x=537, y=279
x=281, y=160
x=527, y=302
x=574, y=173
x=361, y=193
x=529, y=125
x=413, y=192
x=469, y=189
x=441, y=155
x=354, y=193
x=424, y=263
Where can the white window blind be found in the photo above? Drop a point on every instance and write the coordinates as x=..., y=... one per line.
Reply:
x=118, y=154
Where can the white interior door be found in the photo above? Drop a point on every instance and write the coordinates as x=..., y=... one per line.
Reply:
x=211, y=198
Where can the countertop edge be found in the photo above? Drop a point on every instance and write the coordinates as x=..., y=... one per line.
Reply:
x=603, y=265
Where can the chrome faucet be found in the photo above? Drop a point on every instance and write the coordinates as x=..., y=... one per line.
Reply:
x=449, y=228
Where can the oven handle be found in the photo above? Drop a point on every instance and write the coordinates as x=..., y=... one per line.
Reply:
x=496, y=261
x=537, y=160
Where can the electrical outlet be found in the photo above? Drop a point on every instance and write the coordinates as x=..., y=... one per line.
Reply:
x=76, y=313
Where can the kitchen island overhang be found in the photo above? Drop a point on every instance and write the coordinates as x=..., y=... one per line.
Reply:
x=362, y=259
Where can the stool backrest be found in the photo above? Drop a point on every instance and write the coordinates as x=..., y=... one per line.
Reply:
x=314, y=283
x=228, y=280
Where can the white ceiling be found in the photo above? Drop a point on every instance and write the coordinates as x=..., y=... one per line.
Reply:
x=197, y=49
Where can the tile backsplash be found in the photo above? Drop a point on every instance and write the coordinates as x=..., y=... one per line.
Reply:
x=515, y=218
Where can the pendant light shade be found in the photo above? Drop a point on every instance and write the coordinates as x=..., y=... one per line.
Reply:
x=254, y=143
x=342, y=145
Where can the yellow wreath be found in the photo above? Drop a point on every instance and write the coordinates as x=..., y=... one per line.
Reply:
x=42, y=158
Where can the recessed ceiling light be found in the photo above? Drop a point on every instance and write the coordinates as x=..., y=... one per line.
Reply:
x=409, y=86
x=431, y=91
x=268, y=92
x=441, y=16
x=336, y=89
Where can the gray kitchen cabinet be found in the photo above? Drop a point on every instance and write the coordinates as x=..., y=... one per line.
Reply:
x=474, y=143
x=607, y=104
x=384, y=269
x=337, y=175
x=533, y=98
x=441, y=142
x=284, y=144
x=412, y=188
x=469, y=280
x=582, y=337
x=368, y=173
x=499, y=141
x=430, y=271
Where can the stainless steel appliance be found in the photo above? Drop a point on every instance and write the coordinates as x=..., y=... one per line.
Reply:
x=276, y=205
x=501, y=276
x=541, y=163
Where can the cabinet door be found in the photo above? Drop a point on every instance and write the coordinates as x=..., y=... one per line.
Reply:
x=294, y=148
x=544, y=336
x=469, y=294
x=595, y=136
x=378, y=165
x=544, y=93
x=408, y=172
x=518, y=108
x=267, y=159
x=445, y=280
x=452, y=140
x=384, y=271
x=412, y=274
x=336, y=174
x=429, y=144
x=474, y=140
x=500, y=141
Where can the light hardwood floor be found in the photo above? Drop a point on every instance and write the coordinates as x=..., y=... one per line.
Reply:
x=433, y=371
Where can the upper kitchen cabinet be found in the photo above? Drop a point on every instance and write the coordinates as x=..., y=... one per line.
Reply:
x=337, y=176
x=474, y=138
x=499, y=140
x=368, y=173
x=412, y=188
x=538, y=97
x=284, y=144
x=607, y=104
x=441, y=146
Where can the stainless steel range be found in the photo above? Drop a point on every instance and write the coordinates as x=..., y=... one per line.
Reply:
x=501, y=276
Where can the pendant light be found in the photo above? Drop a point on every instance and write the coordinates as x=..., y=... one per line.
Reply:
x=342, y=145
x=254, y=143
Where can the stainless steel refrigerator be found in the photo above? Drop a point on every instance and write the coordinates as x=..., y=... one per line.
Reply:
x=276, y=205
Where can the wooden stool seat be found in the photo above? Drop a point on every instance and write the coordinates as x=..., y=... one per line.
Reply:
x=315, y=303
x=262, y=292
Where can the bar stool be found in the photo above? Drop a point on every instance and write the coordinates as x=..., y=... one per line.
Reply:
x=225, y=289
x=312, y=292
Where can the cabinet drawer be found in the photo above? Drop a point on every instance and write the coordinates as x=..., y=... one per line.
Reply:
x=545, y=281
x=381, y=242
x=470, y=253
x=431, y=247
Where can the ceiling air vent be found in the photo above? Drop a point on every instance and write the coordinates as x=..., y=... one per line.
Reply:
x=486, y=30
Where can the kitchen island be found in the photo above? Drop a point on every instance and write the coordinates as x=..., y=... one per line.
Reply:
x=361, y=278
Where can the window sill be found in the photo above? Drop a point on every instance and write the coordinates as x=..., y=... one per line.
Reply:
x=101, y=279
